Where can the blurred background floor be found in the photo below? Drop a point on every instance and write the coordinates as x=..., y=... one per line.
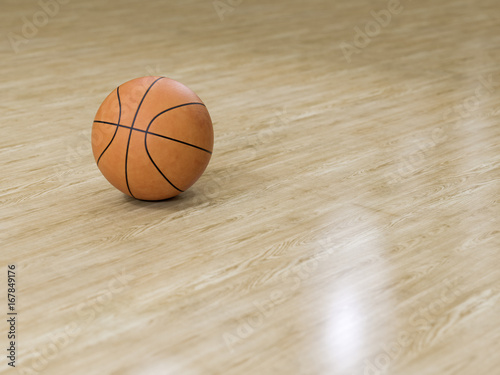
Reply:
x=347, y=222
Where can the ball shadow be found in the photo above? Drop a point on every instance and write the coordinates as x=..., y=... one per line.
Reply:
x=179, y=201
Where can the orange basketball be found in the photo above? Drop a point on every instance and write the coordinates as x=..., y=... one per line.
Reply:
x=152, y=138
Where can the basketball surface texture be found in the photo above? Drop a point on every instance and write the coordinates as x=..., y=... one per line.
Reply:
x=152, y=138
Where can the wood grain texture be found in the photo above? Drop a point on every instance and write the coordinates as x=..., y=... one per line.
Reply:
x=346, y=224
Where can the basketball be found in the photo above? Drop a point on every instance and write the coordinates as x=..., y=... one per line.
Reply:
x=152, y=138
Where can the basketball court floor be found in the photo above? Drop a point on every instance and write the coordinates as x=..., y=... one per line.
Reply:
x=348, y=221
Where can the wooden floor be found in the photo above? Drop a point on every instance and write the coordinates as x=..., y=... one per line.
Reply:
x=348, y=222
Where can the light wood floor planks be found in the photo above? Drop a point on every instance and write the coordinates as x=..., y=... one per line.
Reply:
x=348, y=222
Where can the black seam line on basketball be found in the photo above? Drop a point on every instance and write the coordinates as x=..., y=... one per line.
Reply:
x=130, y=134
x=116, y=131
x=173, y=139
x=146, y=139
x=155, y=134
x=157, y=168
x=159, y=135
